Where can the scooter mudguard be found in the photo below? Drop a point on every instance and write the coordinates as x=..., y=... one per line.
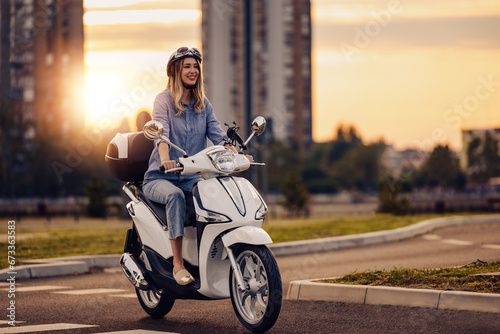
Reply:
x=248, y=235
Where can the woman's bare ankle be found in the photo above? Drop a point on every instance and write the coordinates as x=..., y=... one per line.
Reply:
x=178, y=267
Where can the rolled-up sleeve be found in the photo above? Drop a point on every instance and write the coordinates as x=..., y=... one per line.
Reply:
x=160, y=114
x=214, y=132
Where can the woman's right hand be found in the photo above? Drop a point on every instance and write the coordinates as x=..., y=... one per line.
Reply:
x=169, y=164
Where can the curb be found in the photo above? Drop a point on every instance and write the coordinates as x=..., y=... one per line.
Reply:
x=63, y=266
x=372, y=238
x=396, y=296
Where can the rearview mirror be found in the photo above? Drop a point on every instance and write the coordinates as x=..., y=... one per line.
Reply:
x=258, y=125
x=153, y=130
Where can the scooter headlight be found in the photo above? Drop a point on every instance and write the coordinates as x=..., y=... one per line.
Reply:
x=212, y=217
x=223, y=160
x=261, y=211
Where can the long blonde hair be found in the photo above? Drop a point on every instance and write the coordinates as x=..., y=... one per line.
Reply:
x=174, y=83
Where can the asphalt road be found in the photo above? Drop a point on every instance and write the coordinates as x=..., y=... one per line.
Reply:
x=107, y=301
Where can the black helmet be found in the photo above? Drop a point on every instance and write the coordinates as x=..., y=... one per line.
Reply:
x=182, y=52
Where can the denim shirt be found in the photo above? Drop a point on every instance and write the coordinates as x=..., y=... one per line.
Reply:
x=188, y=131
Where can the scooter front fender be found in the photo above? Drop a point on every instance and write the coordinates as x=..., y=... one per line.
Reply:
x=251, y=235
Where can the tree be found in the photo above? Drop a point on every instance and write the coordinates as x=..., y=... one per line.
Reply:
x=359, y=168
x=442, y=169
x=296, y=195
x=281, y=159
x=391, y=197
x=347, y=139
x=316, y=173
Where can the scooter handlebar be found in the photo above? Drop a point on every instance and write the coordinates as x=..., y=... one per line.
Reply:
x=180, y=168
x=162, y=169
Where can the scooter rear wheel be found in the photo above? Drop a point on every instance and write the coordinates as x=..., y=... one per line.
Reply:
x=154, y=304
x=258, y=307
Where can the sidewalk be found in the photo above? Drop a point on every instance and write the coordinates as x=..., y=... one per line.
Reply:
x=309, y=290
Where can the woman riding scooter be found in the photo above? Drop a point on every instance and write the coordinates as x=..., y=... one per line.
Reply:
x=188, y=119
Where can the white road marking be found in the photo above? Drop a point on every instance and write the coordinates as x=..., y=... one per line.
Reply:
x=431, y=237
x=457, y=242
x=89, y=291
x=41, y=328
x=138, y=331
x=435, y=237
x=5, y=322
x=40, y=288
x=128, y=295
x=491, y=246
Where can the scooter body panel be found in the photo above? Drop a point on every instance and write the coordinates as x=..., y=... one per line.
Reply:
x=154, y=235
x=248, y=235
x=150, y=231
x=238, y=200
x=233, y=197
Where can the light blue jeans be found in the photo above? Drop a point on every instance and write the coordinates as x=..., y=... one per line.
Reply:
x=168, y=189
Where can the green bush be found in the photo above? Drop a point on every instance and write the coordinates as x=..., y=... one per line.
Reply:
x=391, y=197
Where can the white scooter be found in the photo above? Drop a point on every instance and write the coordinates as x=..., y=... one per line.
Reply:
x=224, y=244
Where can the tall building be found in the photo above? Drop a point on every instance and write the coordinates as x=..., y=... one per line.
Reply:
x=42, y=64
x=257, y=61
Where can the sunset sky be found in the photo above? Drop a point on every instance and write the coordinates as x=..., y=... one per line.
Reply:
x=414, y=72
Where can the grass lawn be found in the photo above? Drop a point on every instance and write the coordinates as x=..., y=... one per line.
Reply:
x=313, y=228
x=469, y=278
x=36, y=239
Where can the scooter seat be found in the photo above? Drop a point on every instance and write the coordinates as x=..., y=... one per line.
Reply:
x=158, y=209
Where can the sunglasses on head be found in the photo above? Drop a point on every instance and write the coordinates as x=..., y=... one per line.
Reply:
x=185, y=51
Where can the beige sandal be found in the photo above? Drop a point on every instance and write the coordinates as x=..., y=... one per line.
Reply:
x=183, y=277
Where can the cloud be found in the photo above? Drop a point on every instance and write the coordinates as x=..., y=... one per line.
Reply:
x=150, y=36
x=166, y=16
x=464, y=32
x=141, y=4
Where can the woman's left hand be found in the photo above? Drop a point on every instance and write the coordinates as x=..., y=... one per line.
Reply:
x=232, y=148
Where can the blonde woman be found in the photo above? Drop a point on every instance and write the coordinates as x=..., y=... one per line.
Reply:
x=188, y=119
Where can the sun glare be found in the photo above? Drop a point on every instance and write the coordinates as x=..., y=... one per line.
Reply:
x=102, y=89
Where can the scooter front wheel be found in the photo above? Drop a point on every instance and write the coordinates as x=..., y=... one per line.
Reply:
x=154, y=304
x=258, y=306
